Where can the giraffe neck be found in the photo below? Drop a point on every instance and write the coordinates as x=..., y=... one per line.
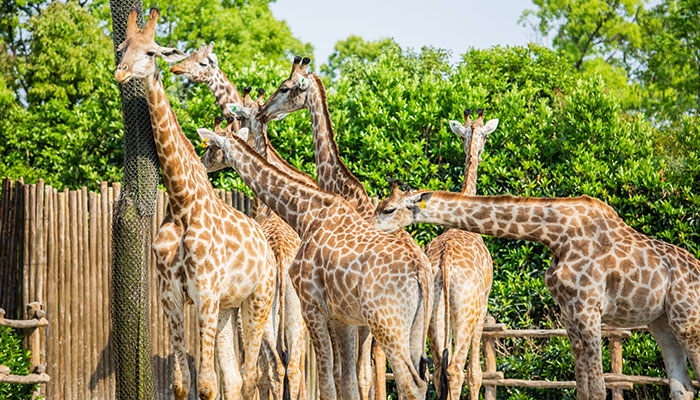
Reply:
x=294, y=201
x=549, y=221
x=224, y=91
x=471, y=164
x=183, y=172
x=333, y=175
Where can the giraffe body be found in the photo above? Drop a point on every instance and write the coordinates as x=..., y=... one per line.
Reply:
x=602, y=271
x=346, y=273
x=305, y=90
x=206, y=252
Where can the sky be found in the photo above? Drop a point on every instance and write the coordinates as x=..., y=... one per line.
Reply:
x=449, y=24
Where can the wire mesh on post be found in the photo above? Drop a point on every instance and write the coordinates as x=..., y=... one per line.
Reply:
x=131, y=231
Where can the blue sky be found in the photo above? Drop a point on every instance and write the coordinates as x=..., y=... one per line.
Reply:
x=449, y=24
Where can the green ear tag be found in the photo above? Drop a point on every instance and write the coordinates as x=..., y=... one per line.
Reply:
x=234, y=108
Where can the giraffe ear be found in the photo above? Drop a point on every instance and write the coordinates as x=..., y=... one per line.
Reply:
x=213, y=60
x=418, y=199
x=237, y=110
x=489, y=127
x=243, y=134
x=459, y=129
x=210, y=138
x=170, y=54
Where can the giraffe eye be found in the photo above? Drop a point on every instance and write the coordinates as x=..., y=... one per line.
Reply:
x=203, y=64
x=150, y=53
x=388, y=211
x=284, y=89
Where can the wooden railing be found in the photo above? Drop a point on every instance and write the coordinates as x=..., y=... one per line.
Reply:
x=37, y=320
x=614, y=380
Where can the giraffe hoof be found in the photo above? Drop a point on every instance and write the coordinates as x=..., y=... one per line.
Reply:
x=179, y=392
x=206, y=393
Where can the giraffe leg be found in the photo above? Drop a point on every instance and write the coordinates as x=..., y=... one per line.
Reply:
x=228, y=364
x=436, y=333
x=364, y=364
x=474, y=373
x=318, y=329
x=208, y=323
x=296, y=340
x=347, y=337
x=337, y=365
x=273, y=373
x=255, y=311
x=175, y=317
x=584, y=332
x=674, y=360
x=400, y=360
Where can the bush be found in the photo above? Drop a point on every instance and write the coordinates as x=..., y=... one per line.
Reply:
x=12, y=355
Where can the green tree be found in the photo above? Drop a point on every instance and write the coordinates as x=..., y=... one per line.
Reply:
x=356, y=47
x=588, y=28
x=670, y=58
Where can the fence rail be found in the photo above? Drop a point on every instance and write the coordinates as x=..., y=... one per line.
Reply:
x=37, y=320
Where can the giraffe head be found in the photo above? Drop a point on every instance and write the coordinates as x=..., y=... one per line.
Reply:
x=292, y=93
x=200, y=66
x=474, y=133
x=213, y=157
x=399, y=208
x=139, y=50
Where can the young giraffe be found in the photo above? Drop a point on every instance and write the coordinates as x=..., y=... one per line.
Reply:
x=602, y=270
x=304, y=90
x=346, y=272
x=283, y=239
x=206, y=251
x=464, y=271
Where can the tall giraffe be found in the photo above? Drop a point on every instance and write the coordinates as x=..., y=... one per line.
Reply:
x=206, y=252
x=464, y=272
x=304, y=90
x=283, y=239
x=602, y=270
x=346, y=273
x=202, y=66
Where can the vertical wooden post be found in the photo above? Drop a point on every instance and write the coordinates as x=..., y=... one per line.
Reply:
x=380, y=371
x=489, y=351
x=616, y=363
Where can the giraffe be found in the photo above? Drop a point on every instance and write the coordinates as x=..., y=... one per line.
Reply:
x=464, y=272
x=206, y=252
x=346, y=273
x=202, y=66
x=602, y=270
x=305, y=90
x=282, y=238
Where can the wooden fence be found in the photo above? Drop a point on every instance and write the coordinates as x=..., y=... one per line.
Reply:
x=29, y=326
x=55, y=249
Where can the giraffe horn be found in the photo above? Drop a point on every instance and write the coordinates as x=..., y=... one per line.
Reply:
x=304, y=62
x=467, y=116
x=295, y=65
x=131, y=26
x=480, y=120
x=150, y=28
x=261, y=97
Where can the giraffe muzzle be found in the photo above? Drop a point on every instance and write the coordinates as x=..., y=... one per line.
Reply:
x=122, y=74
x=177, y=70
